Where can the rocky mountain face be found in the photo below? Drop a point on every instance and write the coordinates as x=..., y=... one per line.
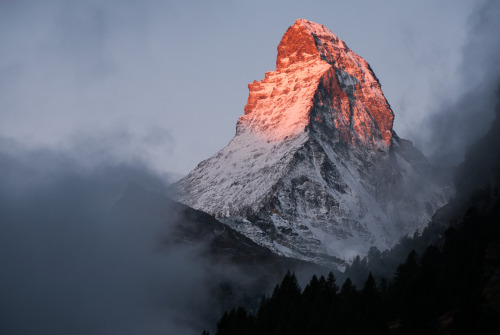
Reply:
x=315, y=170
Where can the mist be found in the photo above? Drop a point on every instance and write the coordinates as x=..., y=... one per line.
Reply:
x=68, y=269
x=459, y=120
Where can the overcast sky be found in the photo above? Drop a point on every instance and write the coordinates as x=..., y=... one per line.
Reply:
x=165, y=81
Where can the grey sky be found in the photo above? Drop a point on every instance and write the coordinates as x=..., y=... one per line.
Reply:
x=169, y=78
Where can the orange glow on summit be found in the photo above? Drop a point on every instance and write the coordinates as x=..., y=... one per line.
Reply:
x=314, y=68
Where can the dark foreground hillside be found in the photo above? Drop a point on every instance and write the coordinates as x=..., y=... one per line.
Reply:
x=455, y=290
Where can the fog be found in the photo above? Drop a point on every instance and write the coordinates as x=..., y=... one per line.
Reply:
x=458, y=121
x=67, y=270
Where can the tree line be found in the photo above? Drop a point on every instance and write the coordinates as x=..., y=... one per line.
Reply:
x=454, y=289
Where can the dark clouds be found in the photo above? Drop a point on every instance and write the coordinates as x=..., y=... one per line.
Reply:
x=456, y=123
x=60, y=273
x=66, y=270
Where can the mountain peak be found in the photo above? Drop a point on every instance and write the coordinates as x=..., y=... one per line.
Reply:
x=299, y=43
x=314, y=67
x=314, y=171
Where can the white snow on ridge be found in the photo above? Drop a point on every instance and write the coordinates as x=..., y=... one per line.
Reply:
x=241, y=174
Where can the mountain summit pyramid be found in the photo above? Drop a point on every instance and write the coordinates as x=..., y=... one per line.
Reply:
x=315, y=170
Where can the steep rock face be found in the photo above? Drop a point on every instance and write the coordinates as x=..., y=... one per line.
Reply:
x=314, y=65
x=315, y=170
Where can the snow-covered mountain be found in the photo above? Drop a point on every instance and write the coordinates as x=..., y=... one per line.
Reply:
x=315, y=170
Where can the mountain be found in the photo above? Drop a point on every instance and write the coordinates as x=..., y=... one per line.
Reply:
x=315, y=170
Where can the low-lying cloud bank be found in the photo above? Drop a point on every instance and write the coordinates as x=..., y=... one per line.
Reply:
x=67, y=270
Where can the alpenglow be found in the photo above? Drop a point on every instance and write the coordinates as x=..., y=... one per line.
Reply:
x=315, y=170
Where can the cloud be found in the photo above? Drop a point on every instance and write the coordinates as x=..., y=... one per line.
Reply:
x=67, y=269
x=459, y=121
x=61, y=271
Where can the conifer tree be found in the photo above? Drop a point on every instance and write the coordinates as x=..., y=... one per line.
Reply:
x=332, y=284
x=370, y=288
